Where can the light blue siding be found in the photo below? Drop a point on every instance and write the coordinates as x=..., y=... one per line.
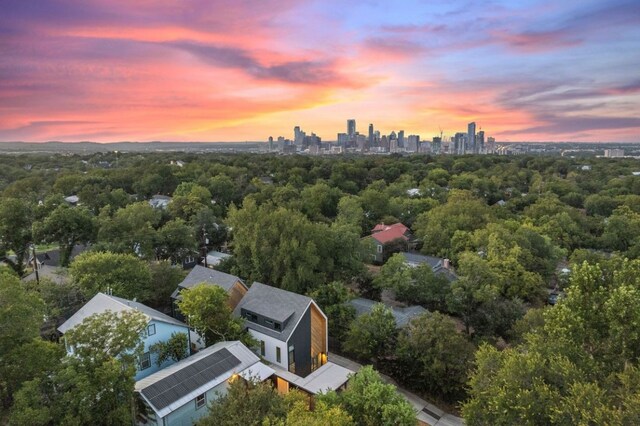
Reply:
x=163, y=334
x=187, y=415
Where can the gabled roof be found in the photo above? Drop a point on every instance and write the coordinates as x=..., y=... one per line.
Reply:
x=200, y=274
x=276, y=304
x=402, y=316
x=102, y=302
x=52, y=257
x=387, y=233
x=419, y=259
x=172, y=387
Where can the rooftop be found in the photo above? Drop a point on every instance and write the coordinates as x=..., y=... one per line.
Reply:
x=102, y=302
x=174, y=386
x=402, y=316
x=387, y=233
x=326, y=378
x=200, y=274
x=276, y=304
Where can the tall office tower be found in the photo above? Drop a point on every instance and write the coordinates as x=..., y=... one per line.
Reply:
x=436, y=144
x=371, y=136
x=297, y=135
x=480, y=142
x=351, y=128
x=401, y=139
x=471, y=138
x=343, y=140
x=270, y=143
x=458, y=143
x=376, y=138
x=384, y=143
x=491, y=145
x=413, y=142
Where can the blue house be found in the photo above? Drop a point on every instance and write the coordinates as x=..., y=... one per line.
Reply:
x=160, y=327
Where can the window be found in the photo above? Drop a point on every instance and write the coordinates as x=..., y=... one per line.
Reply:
x=269, y=323
x=292, y=360
x=262, y=350
x=145, y=361
x=151, y=329
x=379, y=248
x=201, y=401
x=278, y=355
x=276, y=326
x=251, y=317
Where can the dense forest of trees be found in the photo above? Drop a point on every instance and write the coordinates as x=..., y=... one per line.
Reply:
x=514, y=228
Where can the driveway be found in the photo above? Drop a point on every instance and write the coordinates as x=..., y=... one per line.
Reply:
x=428, y=413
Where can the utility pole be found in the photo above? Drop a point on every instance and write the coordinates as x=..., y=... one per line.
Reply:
x=204, y=245
x=35, y=263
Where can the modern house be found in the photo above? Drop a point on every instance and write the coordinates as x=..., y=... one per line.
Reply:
x=52, y=257
x=233, y=285
x=438, y=265
x=215, y=257
x=160, y=201
x=180, y=394
x=388, y=239
x=159, y=328
x=290, y=328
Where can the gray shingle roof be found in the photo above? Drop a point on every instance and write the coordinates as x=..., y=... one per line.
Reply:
x=102, y=302
x=420, y=259
x=200, y=274
x=401, y=315
x=276, y=304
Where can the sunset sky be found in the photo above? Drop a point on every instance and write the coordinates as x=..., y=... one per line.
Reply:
x=235, y=70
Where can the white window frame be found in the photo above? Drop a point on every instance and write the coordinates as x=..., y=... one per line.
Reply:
x=144, y=358
x=201, y=401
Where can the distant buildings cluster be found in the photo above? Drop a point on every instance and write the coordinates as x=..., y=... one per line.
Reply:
x=470, y=142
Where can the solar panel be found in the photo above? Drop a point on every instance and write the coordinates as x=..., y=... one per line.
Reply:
x=171, y=388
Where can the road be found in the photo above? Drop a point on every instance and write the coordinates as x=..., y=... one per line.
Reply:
x=427, y=413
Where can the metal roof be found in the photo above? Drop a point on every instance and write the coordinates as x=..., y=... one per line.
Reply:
x=102, y=302
x=171, y=388
x=275, y=304
x=326, y=378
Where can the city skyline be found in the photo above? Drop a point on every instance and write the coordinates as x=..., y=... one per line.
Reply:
x=196, y=70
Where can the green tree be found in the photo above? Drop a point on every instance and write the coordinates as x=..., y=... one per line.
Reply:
x=21, y=315
x=95, y=385
x=321, y=415
x=175, y=242
x=66, y=226
x=207, y=310
x=175, y=348
x=246, y=403
x=580, y=366
x=131, y=230
x=461, y=212
x=164, y=280
x=122, y=274
x=15, y=231
x=333, y=299
x=371, y=402
x=372, y=335
x=433, y=356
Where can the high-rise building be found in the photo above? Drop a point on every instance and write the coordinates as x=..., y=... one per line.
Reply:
x=371, y=135
x=401, y=139
x=351, y=128
x=436, y=144
x=343, y=140
x=480, y=142
x=491, y=145
x=459, y=141
x=471, y=138
x=614, y=153
x=270, y=143
x=413, y=143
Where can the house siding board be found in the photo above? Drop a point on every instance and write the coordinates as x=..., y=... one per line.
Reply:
x=163, y=334
x=270, y=345
x=318, y=331
x=187, y=415
x=237, y=291
x=301, y=341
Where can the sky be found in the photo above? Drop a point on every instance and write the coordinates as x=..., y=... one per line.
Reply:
x=237, y=70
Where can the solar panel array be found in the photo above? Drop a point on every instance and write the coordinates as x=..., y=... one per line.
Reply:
x=171, y=388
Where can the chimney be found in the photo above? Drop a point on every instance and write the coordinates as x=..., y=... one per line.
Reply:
x=446, y=264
